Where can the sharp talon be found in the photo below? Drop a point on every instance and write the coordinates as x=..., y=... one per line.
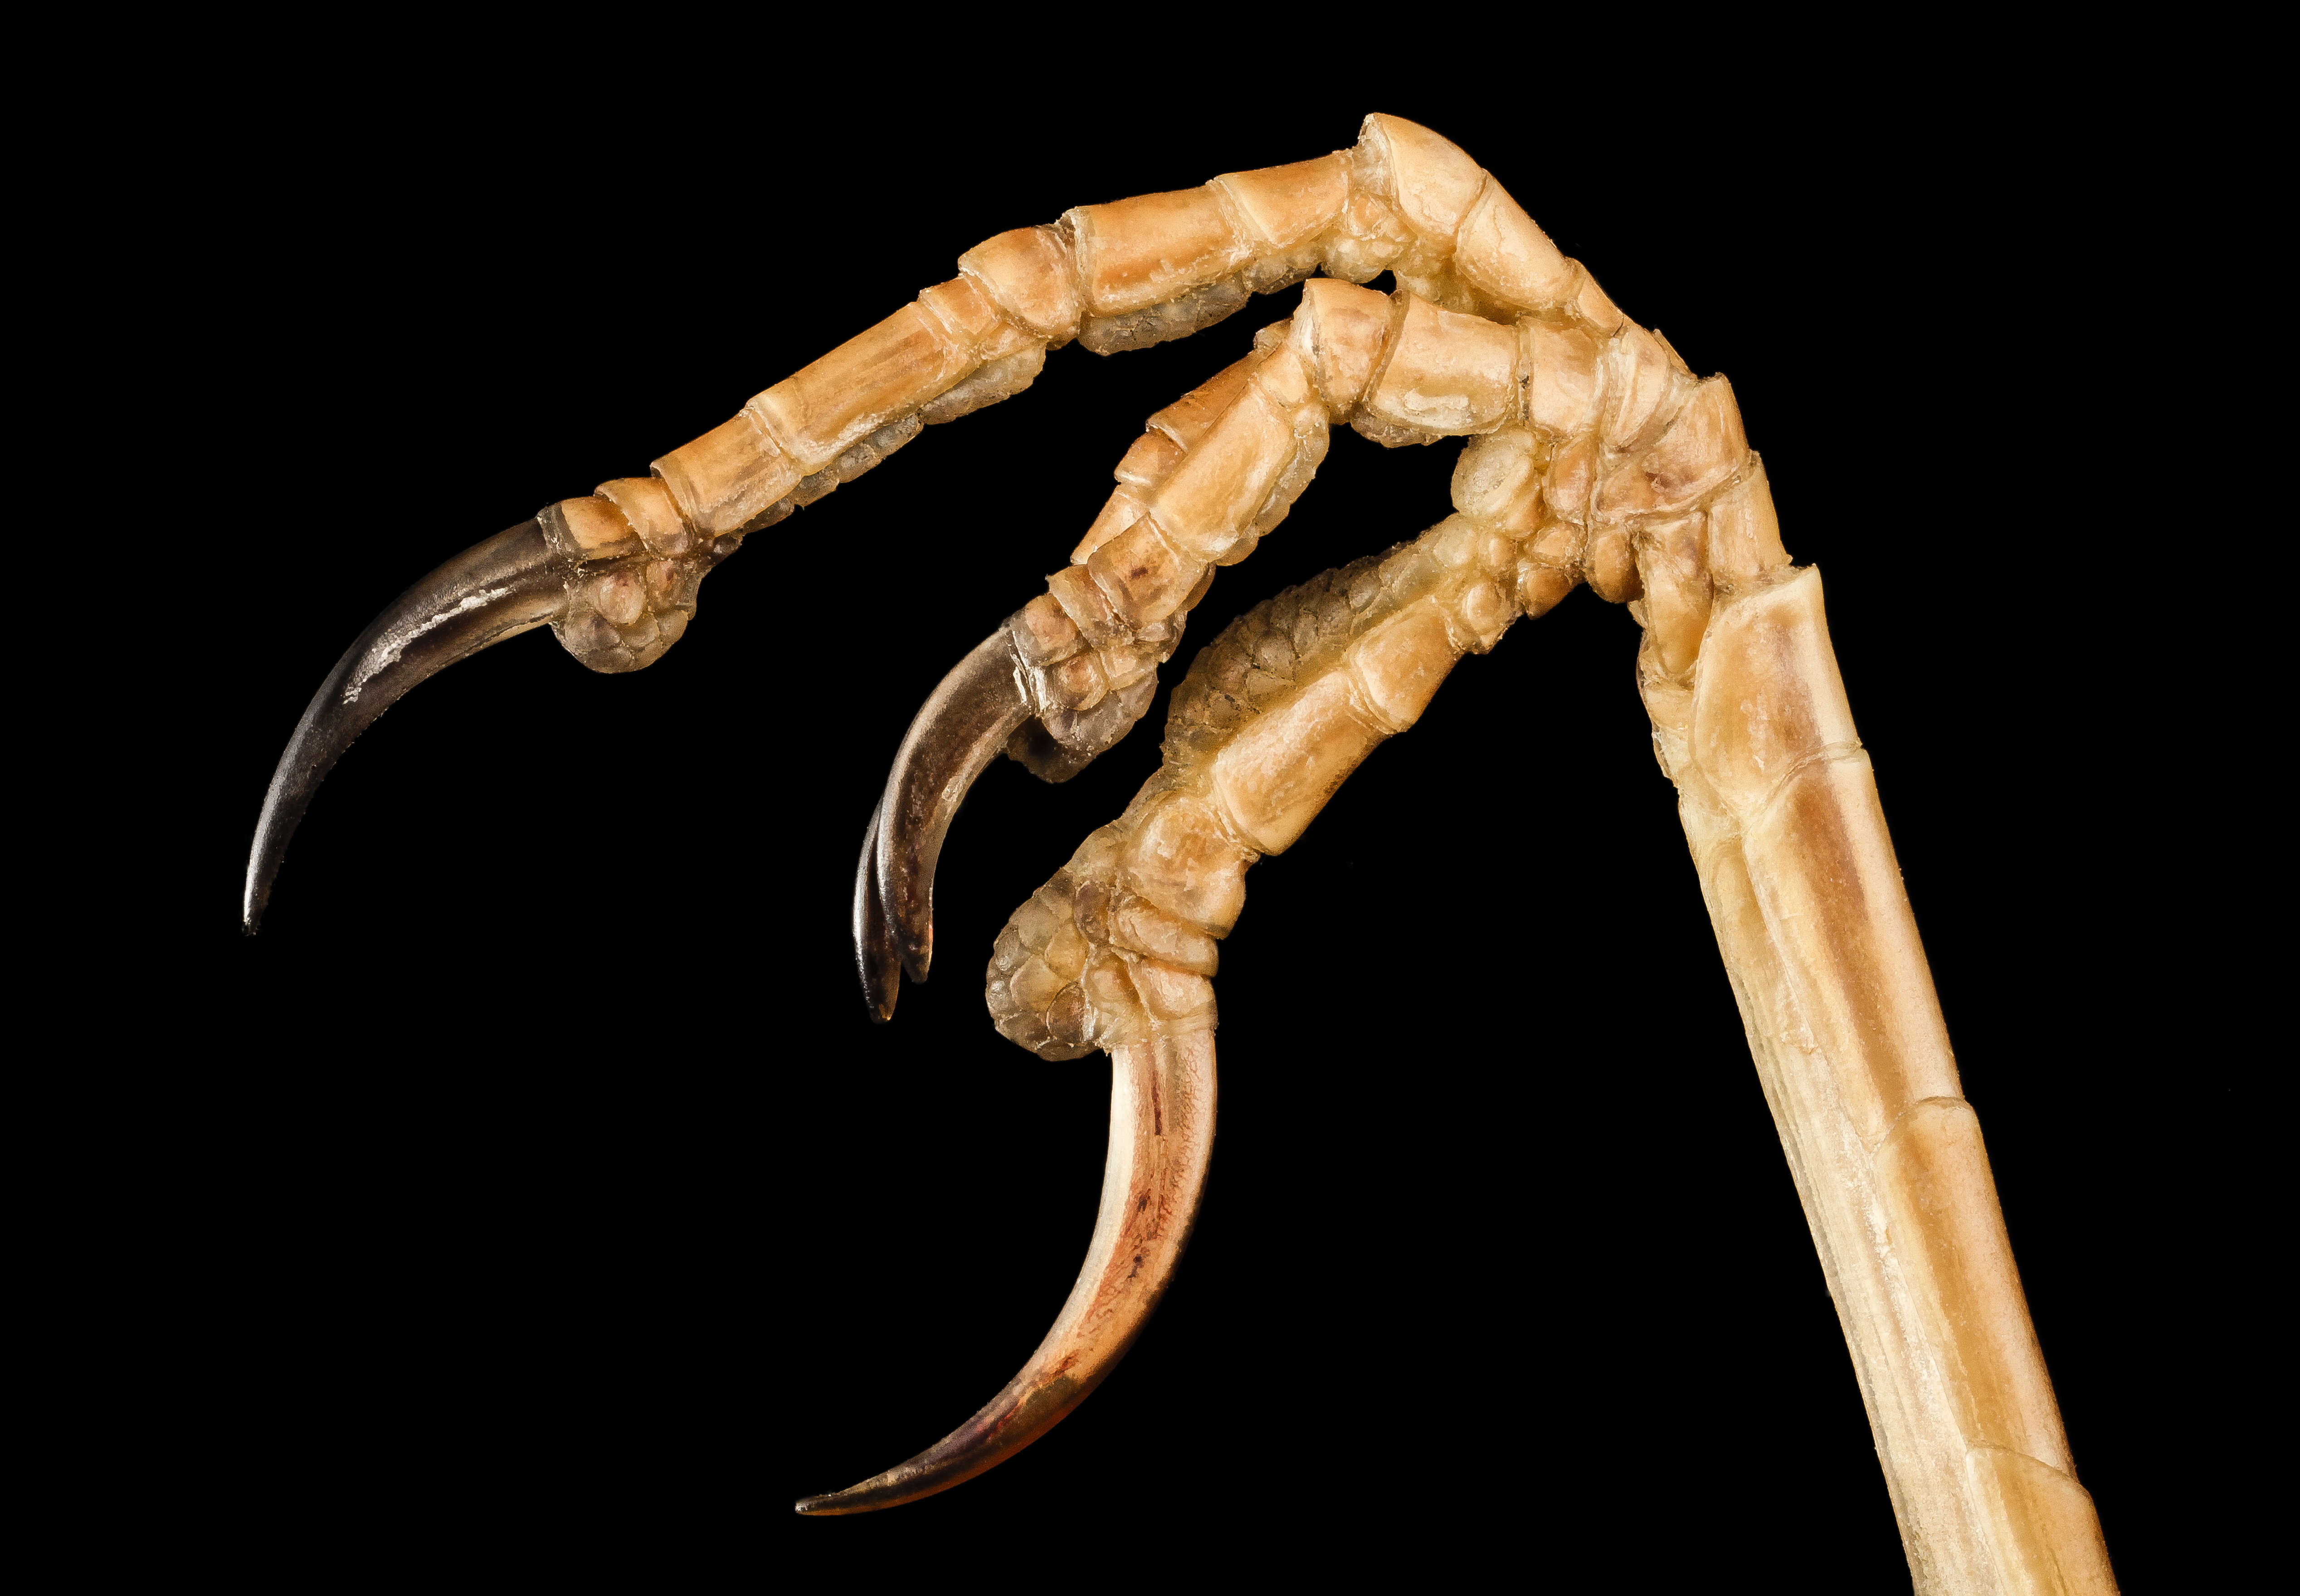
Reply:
x=957, y=732
x=876, y=959
x=1162, y=1138
x=494, y=590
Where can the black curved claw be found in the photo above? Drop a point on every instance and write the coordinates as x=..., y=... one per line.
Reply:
x=953, y=738
x=489, y=592
x=875, y=953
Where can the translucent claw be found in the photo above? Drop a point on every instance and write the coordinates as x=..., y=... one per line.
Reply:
x=1161, y=1137
x=957, y=732
x=494, y=590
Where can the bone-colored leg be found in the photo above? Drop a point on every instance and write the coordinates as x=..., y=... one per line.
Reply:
x=1603, y=459
x=1750, y=718
x=1780, y=808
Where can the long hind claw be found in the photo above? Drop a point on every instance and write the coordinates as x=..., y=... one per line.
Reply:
x=1161, y=1137
x=508, y=584
x=964, y=726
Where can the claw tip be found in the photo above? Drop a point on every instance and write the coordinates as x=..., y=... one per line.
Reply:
x=876, y=956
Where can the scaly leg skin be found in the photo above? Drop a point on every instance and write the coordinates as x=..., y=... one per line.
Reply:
x=1780, y=808
x=1215, y=472
x=1598, y=458
x=1780, y=811
x=1115, y=952
x=1114, y=276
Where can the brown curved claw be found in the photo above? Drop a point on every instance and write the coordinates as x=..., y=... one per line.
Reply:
x=962, y=725
x=1162, y=1135
x=494, y=590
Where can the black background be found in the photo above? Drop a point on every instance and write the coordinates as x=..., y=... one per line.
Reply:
x=532, y=1203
